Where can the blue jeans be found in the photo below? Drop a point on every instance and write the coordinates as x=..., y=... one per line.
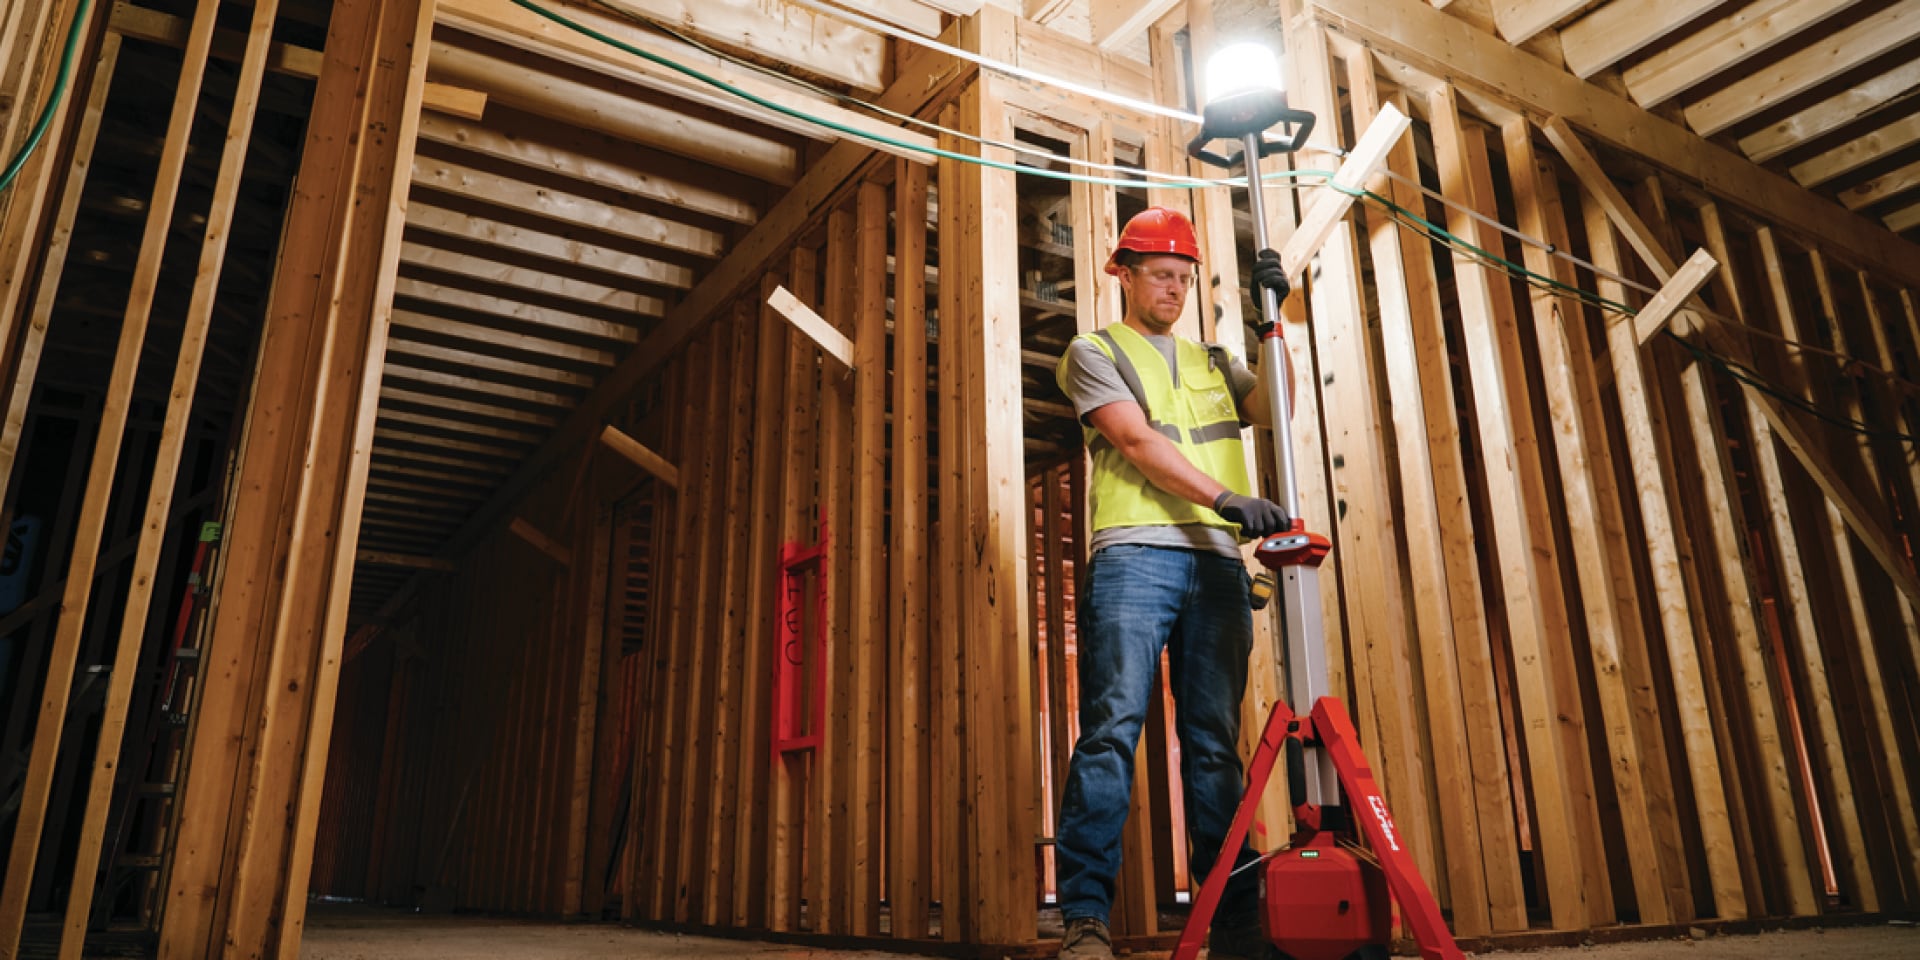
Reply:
x=1137, y=600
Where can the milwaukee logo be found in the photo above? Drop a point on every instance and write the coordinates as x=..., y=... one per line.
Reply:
x=1386, y=820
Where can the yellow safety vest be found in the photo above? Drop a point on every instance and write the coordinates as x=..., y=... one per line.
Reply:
x=1197, y=413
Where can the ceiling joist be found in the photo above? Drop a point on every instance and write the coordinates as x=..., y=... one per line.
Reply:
x=1722, y=45
x=1796, y=73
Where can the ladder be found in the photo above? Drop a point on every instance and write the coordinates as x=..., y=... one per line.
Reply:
x=146, y=811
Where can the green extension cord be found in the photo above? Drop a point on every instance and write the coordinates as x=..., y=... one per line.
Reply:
x=53, y=102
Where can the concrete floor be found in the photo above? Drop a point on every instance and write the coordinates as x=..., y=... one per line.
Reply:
x=362, y=933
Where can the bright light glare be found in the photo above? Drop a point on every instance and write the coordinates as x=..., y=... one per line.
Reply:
x=1242, y=67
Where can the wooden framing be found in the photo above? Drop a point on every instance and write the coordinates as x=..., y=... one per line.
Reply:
x=1643, y=667
x=93, y=516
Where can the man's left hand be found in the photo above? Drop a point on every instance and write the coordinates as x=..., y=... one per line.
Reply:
x=1268, y=274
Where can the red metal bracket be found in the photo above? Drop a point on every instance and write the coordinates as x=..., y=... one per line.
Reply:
x=797, y=719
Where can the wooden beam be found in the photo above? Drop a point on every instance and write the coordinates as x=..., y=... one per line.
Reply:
x=1618, y=30
x=1329, y=206
x=625, y=114
x=555, y=550
x=37, y=788
x=1723, y=45
x=512, y=314
x=504, y=21
x=819, y=43
x=924, y=76
x=614, y=439
x=570, y=209
x=524, y=244
x=913, y=15
x=455, y=101
x=1522, y=20
x=1117, y=23
x=1866, y=148
x=598, y=159
x=832, y=342
x=1809, y=123
x=1883, y=187
x=1587, y=169
x=1448, y=49
x=383, y=558
x=1796, y=73
x=489, y=339
x=498, y=271
x=1685, y=282
x=166, y=29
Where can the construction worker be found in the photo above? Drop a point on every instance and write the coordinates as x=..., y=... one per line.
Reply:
x=1171, y=502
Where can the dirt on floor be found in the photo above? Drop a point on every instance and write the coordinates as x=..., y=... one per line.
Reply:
x=336, y=932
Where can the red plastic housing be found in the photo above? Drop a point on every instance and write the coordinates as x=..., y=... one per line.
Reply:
x=1320, y=902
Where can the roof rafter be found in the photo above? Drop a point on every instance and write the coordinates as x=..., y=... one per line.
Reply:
x=1723, y=45
x=1805, y=69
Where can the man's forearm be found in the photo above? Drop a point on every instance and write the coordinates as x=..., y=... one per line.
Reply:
x=1166, y=468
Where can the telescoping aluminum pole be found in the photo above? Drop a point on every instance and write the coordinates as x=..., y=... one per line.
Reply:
x=1305, y=668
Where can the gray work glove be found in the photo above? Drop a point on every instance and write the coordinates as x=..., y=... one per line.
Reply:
x=1257, y=518
x=1268, y=274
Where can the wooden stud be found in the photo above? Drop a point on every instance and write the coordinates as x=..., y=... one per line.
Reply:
x=719, y=869
x=1615, y=641
x=1518, y=542
x=1786, y=532
x=57, y=689
x=909, y=860
x=791, y=773
x=1670, y=591
x=1445, y=581
x=922, y=77
x=1366, y=531
x=1858, y=515
x=33, y=339
x=763, y=583
x=871, y=597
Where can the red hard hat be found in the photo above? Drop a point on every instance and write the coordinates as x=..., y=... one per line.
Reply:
x=1156, y=230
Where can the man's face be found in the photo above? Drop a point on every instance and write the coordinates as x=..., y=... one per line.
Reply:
x=1156, y=289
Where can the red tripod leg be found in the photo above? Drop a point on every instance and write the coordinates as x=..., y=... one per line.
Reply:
x=1369, y=811
x=1258, y=773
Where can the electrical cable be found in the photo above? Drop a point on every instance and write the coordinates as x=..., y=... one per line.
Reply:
x=53, y=101
x=1746, y=375
x=1404, y=217
x=1023, y=73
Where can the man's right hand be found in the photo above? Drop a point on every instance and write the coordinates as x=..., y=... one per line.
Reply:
x=1257, y=518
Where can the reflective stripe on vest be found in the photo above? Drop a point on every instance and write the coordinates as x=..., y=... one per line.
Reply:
x=1191, y=404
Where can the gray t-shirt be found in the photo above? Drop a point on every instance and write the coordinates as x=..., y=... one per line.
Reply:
x=1092, y=382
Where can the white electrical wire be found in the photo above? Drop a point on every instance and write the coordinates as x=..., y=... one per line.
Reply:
x=1023, y=73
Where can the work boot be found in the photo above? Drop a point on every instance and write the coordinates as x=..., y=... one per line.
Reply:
x=1087, y=939
x=1238, y=938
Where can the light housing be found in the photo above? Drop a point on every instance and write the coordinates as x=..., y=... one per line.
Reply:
x=1246, y=95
